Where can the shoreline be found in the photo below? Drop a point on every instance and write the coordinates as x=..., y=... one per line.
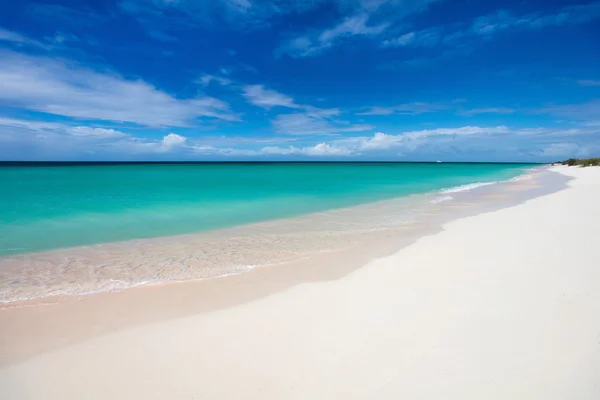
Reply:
x=168, y=300
x=463, y=311
x=179, y=258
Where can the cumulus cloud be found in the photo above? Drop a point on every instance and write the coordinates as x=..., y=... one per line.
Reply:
x=58, y=87
x=173, y=140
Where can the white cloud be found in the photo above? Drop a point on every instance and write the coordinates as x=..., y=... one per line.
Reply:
x=308, y=119
x=16, y=38
x=207, y=79
x=352, y=26
x=489, y=110
x=314, y=122
x=561, y=150
x=588, y=82
x=405, y=109
x=585, y=111
x=266, y=98
x=499, y=21
x=173, y=140
x=462, y=131
x=318, y=150
x=30, y=125
x=503, y=20
x=412, y=140
x=53, y=140
x=95, y=132
x=424, y=38
x=58, y=87
x=313, y=44
x=60, y=128
x=169, y=143
x=379, y=141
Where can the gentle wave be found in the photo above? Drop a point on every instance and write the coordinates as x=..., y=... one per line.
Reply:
x=525, y=177
x=114, y=286
x=464, y=188
x=441, y=199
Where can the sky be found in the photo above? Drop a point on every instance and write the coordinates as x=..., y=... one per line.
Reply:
x=231, y=80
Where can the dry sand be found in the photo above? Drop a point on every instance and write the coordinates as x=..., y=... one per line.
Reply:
x=503, y=305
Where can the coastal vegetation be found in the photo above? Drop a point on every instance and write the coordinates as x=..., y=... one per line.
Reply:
x=584, y=162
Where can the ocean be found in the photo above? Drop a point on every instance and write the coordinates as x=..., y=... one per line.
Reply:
x=51, y=206
x=76, y=229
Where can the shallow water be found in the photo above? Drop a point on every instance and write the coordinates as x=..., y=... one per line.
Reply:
x=120, y=265
x=51, y=206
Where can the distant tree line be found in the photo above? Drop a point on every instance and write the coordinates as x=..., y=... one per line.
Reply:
x=584, y=162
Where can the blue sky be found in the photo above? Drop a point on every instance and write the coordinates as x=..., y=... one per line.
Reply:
x=299, y=80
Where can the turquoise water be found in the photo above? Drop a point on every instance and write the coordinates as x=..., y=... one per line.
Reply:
x=52, y=206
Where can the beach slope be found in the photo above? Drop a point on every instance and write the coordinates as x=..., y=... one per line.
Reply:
x=502, y=305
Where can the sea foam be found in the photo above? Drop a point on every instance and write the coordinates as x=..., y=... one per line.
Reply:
x=464, y=188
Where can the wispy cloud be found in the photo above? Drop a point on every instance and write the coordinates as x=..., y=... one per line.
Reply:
x=313, y=44
x=352, y=26
x=95, y=132
x=207, y=79
x=318, y=150
x=59, y=87
x=253, y=14
x=266, y=98
x=588, y=111
x=71, y=15
x=491, y=24
x=40, y=127
x=411, y=63
x=543, y=143
x=588, y=82
x=424, y=38
x=405, y=109
x=489, y=110
x=17, y=38
x=308, y=119
x=314, y=123
x=503, y=20
x=161, y=35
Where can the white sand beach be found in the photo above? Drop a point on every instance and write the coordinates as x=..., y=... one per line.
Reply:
x=502, y=305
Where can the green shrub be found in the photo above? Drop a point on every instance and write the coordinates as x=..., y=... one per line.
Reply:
x=587, y=162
